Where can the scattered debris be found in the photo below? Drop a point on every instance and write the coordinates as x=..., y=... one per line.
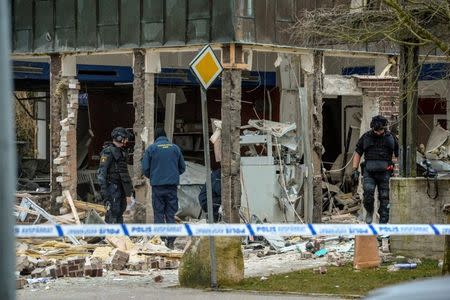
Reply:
x=385, y=245
x=320, y=270
x=321, y=252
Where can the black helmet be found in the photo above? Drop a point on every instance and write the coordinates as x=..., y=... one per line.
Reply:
x=378, y=122
x=119, y=134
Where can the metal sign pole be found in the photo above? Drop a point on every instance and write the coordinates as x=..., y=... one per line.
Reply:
x=208, y=185
x=7, y=162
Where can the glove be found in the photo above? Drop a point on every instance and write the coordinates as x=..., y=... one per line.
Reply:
x=104, y=196
x=390, y=168
x=355, y=177
x=131, y=202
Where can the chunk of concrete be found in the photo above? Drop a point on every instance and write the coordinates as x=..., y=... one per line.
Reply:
x=195, y=269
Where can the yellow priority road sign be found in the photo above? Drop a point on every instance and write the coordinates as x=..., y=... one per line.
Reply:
x=206, y=67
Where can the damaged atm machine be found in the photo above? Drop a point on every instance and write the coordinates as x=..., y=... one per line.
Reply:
x=269, y=158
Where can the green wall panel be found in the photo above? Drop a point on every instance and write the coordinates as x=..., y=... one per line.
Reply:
x=23, y=14
x=108, y=24
x=175, y=22
x=130, y=13
x=65, y=13
x=23, y=25
x=47, y=26
x=198, y=31
x=108, y=12
x=222, y=21
x=43, y=26
x=265, y=20
x=65, y=30
x=86, y=24
x=198, y=9
x=152, y=34
x=153, y=11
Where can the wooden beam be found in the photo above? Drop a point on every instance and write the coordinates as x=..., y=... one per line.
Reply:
x=169, y=120
x=233, y=58
x=82, y=205
x=72, y=206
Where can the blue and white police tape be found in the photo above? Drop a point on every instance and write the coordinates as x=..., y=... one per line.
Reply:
x=22, y=231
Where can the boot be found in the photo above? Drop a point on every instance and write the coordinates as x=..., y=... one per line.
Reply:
x=369, y=218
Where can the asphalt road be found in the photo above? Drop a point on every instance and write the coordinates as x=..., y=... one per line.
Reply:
x=121, y=293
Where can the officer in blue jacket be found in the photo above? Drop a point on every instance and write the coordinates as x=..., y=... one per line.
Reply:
x=163, y=164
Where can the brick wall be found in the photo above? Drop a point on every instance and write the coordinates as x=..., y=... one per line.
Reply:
x=385, y=90
x=67, y=160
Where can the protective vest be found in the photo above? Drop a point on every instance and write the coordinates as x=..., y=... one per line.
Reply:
x=113, y=169
x=378, y=147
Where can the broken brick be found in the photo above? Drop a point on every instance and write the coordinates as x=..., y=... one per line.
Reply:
x=20, y=283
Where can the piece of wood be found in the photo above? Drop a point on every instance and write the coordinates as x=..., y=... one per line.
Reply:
x=162, y=254
x=169, y=120
x=82, y=205
x=131, y=273
x=72, y=207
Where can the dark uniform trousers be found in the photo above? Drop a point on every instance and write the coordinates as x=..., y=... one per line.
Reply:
x=115, y=204
x=165, y=205
x=380, y=180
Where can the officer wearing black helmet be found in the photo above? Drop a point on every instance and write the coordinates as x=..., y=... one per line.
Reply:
x=113, y=176
x=380, y=149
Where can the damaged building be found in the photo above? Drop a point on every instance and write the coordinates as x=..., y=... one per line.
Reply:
x=284, y=119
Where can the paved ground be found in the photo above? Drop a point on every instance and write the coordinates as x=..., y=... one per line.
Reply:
x=119, y=293
x=126, y=287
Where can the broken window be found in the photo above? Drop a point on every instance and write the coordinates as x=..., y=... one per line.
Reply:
x=32, y=140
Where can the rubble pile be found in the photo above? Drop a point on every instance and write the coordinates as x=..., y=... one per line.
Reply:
x=40, y=261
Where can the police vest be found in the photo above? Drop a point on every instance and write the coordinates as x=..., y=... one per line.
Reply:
x=118, y=169
x=378, y=147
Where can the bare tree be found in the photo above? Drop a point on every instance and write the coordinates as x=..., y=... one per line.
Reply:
x=407, y=22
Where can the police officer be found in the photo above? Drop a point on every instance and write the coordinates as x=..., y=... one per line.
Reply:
x=216, y=194
x=113, y=176
x=163, y=164
x=380, y=149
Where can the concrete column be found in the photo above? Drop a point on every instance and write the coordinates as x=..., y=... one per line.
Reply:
x=55, y=127
x=231, y=153
x=139, y=181
x=312, y=65
x=146, y=65
x=289, y=74
x=289, y=77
